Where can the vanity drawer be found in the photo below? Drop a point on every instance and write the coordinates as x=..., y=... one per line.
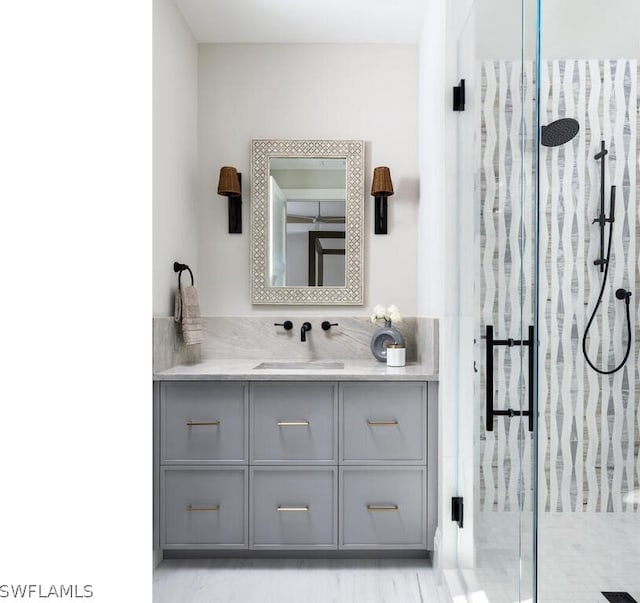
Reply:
x=383, y=507
x=293, y=423
x=383, y=422
x=203, y=422
x=204, y=507
x=293, y=508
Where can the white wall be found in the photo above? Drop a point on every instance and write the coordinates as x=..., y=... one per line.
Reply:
x=459, y=425
x=443, y=252
x=433, y=263
x=433, y=92
x=359, y=91
x=175, y=135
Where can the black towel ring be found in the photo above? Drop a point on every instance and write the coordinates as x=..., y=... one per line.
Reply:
x=180, y=268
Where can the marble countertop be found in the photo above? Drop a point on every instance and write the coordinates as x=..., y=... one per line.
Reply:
x=245, y=370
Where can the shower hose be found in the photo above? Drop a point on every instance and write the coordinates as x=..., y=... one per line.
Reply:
x=620, y=294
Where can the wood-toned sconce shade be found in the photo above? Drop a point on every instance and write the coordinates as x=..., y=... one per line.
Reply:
x=381, y=185
x=381, y=188
x=230, y=186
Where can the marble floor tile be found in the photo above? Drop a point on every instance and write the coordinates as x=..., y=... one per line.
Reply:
x=294, y=581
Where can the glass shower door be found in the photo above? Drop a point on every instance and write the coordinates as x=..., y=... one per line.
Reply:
x=497, y=142
x=589, y=378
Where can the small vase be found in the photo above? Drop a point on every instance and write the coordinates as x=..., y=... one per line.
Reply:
x=382, y=338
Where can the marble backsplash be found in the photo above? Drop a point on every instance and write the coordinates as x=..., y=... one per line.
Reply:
x=249, y=337
x=168, y=346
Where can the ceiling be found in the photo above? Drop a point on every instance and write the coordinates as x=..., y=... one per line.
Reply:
x=313, y=21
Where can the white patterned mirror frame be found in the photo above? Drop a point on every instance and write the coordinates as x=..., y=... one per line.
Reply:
x=353, y=291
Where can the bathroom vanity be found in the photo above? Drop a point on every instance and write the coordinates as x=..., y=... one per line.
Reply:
x=328, y=458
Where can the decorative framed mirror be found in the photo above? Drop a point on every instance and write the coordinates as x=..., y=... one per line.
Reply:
x=307, y=221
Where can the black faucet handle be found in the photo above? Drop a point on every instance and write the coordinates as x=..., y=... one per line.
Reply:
x=326, y=325
x=287, y=324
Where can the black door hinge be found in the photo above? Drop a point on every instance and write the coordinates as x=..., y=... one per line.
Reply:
x=458, y=97
x=457, y=510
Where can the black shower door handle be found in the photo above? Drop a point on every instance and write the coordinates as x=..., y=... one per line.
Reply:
x=490, y=410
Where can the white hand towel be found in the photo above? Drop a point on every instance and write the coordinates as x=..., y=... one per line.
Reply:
x=187, y=313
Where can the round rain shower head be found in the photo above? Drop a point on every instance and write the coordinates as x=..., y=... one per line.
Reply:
x=559, y=132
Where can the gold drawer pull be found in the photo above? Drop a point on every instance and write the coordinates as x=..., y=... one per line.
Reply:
x=191, y=508
x=290, y=508
x=373, y=423
x=293, y=423
x=382, y=508
x=196, y=423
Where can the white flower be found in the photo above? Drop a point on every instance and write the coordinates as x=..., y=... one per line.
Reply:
x=378, y=313
x=394, y=313
x=390, y=314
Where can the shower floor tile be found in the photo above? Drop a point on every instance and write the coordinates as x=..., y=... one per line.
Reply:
x=580, y=556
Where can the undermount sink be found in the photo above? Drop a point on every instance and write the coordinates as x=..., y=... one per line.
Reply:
x=302, y=365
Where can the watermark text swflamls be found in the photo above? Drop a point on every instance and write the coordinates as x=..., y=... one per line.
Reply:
x=48, y=591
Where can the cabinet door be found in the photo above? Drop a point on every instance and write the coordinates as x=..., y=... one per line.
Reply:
x=204, y=507
x=203, y=422
x=293, y=508
x=293, y=423
x=383, y=423
x=383, y=507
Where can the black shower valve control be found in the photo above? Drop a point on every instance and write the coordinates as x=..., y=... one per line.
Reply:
x=326, y=325
x=623, y=294
x=287, y=325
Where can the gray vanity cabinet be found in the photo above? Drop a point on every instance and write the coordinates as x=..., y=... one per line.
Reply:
x=274, y=465
x=204, y=422
x=294, y=423
x=383, y=507
x=383, y=423
x=293, y=456
x=204, y=507
x=293, y=507
x=203, y=441
x=383, y=465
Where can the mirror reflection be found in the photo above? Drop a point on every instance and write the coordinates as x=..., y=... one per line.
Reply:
x=307, y=210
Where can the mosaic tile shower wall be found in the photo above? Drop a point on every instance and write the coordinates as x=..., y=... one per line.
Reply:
x=589, y=423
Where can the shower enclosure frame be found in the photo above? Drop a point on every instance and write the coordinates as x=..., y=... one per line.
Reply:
x=558, y=222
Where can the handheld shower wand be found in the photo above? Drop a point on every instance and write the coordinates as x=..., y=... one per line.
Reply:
x=603, y=262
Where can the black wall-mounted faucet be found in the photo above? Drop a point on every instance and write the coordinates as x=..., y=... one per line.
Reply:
x=306, y=326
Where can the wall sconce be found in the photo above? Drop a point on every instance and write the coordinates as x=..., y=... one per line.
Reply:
x=381, y=188
x=230, y=186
